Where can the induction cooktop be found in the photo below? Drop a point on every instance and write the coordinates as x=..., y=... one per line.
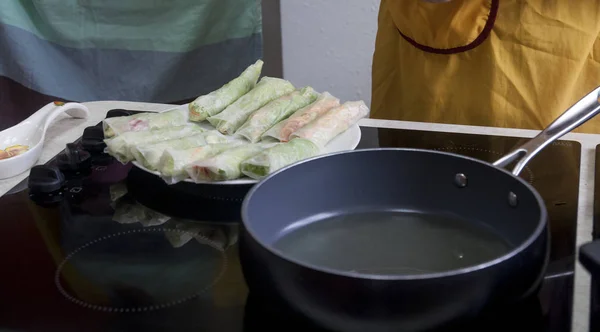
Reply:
x=90, y=244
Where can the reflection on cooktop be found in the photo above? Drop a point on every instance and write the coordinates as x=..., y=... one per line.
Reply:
x=268, y=315
x=187, y=200
x=165, y=263
x=125, y=279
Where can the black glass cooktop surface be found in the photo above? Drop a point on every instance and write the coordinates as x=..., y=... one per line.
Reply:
x=115, y=249
x=595, y=289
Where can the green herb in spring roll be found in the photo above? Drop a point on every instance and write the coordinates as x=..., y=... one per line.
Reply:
x=173, y=162
x=149, y=154
x=272, y=113
x=279, y=156
x=224, y=166
x=120, y=146
x=267, y=89
x=332, y=123
x=144, y=121
x=216, y=101
x=302, y=117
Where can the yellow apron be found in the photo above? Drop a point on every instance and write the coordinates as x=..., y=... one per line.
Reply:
x=501, y=63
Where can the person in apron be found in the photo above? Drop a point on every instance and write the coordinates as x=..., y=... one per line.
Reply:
x=509, y=63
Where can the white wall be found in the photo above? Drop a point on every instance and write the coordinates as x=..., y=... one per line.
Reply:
x=328, y=44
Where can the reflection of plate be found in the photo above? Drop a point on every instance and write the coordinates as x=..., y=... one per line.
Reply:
x=140, y=270
x=345, y=141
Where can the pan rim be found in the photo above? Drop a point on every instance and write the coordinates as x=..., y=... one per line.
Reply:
x=540, y=228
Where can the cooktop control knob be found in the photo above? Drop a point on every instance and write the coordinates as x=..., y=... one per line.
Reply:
x=92, y=139
x=73, y=158
x=45, y=179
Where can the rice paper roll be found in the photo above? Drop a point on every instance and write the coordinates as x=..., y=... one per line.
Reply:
x=279, y=156
x=173, y=162
x=144, y=121
x=130, y=211
x=203, y=233
x=216, y=101
x=149, y=154
x=117, y=191
x=275, y=111
x=302, y=117
x=118, y=125
x=332, y=123
x=186, y=234
x=234, y=116
x=120, y=146
x=224, y=166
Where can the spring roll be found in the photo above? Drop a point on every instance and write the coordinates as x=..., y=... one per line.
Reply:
x=203, y=233
x=302, y=117
x=120, y=146
x=272, y=113
x=216, y=101
x=129, y=212
x=144, y=121
x=117, y=190
x=267, y=89
x=278, y=157
x=173, y=162
x=149, y=154
x=186, y=234
x=225, y=165
x=332, y=123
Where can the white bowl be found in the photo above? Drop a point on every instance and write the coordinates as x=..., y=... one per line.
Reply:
x=31, y=132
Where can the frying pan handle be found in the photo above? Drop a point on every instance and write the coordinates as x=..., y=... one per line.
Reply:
x=572, y=118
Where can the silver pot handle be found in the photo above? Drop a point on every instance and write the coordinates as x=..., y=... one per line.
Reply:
x=572, y=118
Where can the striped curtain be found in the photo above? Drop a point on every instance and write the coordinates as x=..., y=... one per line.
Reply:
x=166, y=51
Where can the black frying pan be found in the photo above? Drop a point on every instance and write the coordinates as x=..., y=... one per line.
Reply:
x=401, y=239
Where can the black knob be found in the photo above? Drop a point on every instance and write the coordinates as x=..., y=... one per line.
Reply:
x=44, y=179
x=92, y=139
x=102, y=159
x=73, y=158
x=118, y=112
x=589, y=256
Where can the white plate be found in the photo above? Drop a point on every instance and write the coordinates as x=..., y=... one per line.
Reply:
x=345, y=141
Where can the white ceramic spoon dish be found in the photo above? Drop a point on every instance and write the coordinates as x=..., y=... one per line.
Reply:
x=32, y=132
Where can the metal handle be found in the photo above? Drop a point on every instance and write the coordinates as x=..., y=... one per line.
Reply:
x=572, y=118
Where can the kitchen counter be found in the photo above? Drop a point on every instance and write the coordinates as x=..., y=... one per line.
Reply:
x=67, y=129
